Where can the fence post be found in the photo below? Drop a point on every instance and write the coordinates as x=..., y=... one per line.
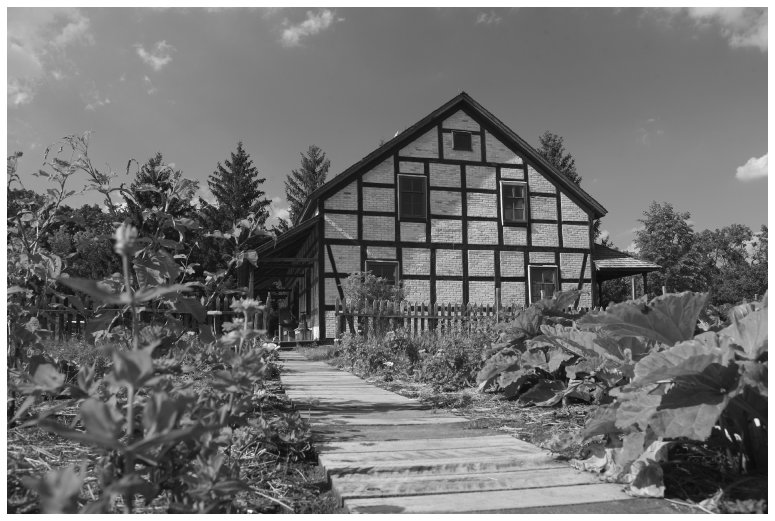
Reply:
x=497, y=304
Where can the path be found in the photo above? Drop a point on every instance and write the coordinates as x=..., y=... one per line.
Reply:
x=385, y=453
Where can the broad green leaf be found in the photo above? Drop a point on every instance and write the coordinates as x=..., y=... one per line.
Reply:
x=512, y=381
x=636, y=408
x=151, y=293
x=206, y=334
x=47, y=378
x=98, y=323
x=601, y=421
x=190, y=305
x=750, y=333
x=101, y=419
x=754, y=375
x=506, y=360
x=668, y=319
x=544, y=394
x=95, y=289
x=58, y=490
x=649, y=480
x=131, y=368
x=559, y=302
x=684, y=359
x=534, y=358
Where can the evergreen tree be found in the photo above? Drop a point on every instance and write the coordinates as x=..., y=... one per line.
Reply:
x=236, y=187
x=553, y=150
x=154, y=173
x=301, y=183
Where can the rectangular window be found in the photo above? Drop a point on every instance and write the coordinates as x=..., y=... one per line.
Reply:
x=383, y=269
x=461, y=141
x=411, y=196
x=514, y=201
x=542, y=278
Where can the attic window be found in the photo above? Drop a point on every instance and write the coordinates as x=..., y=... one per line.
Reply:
x=514, y=202
x=461, y=141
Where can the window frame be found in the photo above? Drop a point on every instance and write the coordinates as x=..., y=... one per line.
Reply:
x=523, y=184
x=470, y=140
x=383, y=262
x=401, y=216
x=530, y=267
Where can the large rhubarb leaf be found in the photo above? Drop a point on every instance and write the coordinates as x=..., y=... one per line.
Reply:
x=750, y=333
x=754, y=375
x=601, y=421
x=649, y=480
x=512, y=381
x=506, y=360
x=685, y=359
x=544, y=393
x=668, y=319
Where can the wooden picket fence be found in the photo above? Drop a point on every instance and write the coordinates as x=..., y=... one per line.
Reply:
x=62, y=319
x=377, y=317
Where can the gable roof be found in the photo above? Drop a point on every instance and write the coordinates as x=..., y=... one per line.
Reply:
x=462, y=100
x=609, y=259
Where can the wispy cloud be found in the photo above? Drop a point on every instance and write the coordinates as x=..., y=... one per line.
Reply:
x=632, y=248
x=649, y=131
x=605, y=234
x=92, y=98
x=633, y=230
x=741, y=26
x=755, y=168
x=36, y=40
x=278, y=209
x=314, y=24
x=488, y=18
x=149, y=86
x=158, y=57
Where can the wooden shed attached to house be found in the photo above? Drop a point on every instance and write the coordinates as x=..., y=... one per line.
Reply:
x=455, y=206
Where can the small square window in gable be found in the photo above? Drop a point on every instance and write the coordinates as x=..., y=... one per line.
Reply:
x=462, y=141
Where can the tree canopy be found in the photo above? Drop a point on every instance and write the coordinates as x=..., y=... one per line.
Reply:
x=553, y=150
x=302, y=182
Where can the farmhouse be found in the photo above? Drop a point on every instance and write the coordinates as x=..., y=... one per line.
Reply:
x=454, y=207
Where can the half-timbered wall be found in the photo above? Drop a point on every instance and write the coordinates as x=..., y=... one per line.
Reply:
x=463, y=250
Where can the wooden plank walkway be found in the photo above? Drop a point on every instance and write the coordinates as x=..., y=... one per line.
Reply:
x=385, y=453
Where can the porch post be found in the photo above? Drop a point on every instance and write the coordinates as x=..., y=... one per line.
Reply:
x=632, y=283
x=645, y=283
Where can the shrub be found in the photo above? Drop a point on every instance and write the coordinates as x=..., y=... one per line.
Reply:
x=363, y=286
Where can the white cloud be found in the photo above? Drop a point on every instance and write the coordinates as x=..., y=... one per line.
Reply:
x=149, y=85
x=277, y=210
x=159, y=56
x=92, y=98
x=632, y=248
x=37, y=39
x=605, y=234
x=634, y=230
x=204, y=193
x=741, y=26
x=488, y=19
x=753, y=169
x=314, y=24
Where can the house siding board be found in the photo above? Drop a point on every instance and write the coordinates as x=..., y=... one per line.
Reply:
x=544, y=235
x=481, y=263
x=442, y=175
x=482, y=205
x=475, y=154
x=512, y=264
x=570, y=210
x=378, y=228
x=446, y=203
x=445, y=230
x=416, y=261
x=379, y=199
x=460, y=121
x=346, y=259
x=513, y=293
x=382, y=173
x=543, y=208
x=449, y=291
x=449, y=263
x=426, y=145
x=539, y=183
x=480, y=177
x=514, y=236
x=483, y=232
x=575, y=236
x=497, y=152
x=413, y=232
x=341, y=226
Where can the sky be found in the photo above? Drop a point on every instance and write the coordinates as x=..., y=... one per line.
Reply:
x=657, y=104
